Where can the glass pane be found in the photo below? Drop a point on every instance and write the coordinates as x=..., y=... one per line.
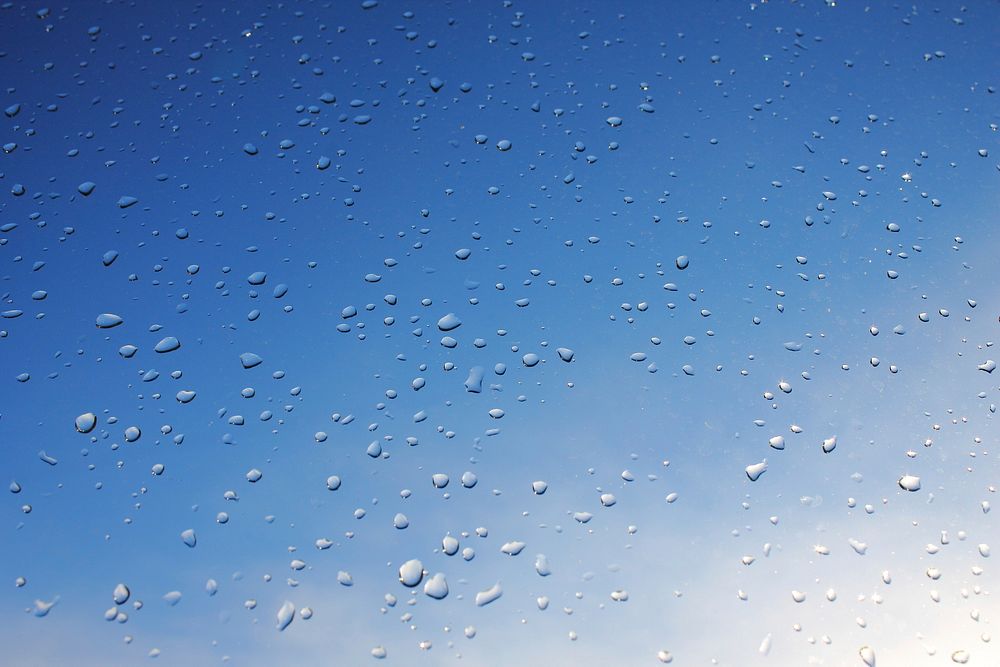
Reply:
x=496, y=333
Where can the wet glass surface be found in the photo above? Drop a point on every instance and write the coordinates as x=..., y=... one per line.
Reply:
x=499, y=333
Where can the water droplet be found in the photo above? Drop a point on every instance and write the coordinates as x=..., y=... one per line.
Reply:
x=474, y=382
x=168, y=344
x=491, y=594
x=411, y=573
x=285, y=616
x=449, y=322
x=436, y=587
x=512, y=548
x=449, y=545
x=42, y=608
x=86, y=422
x=565, y=354
x=250, y=360
x=121, y=594
x=108, y=321
x=755, y=470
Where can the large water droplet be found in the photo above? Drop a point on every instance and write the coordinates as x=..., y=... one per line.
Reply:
x=286, y=614
x=86, y=422
x=755, y=470
x=491, y=594
x=411, y=573
x=449, y=322
x=436, y=587
x=121, y=594
x=108, y=321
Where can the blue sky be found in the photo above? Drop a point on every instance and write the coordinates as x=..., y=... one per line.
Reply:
x=828, y=170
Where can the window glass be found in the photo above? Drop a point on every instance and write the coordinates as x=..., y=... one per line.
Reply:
x=501, y=332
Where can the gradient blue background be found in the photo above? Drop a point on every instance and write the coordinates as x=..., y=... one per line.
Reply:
x=159, y=102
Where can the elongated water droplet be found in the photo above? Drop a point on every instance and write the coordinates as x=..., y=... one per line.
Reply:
x=449, y=322
x=755, y=470
x=286, y=614
x=108, y=321
x=168, y=344
x=491, y=594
